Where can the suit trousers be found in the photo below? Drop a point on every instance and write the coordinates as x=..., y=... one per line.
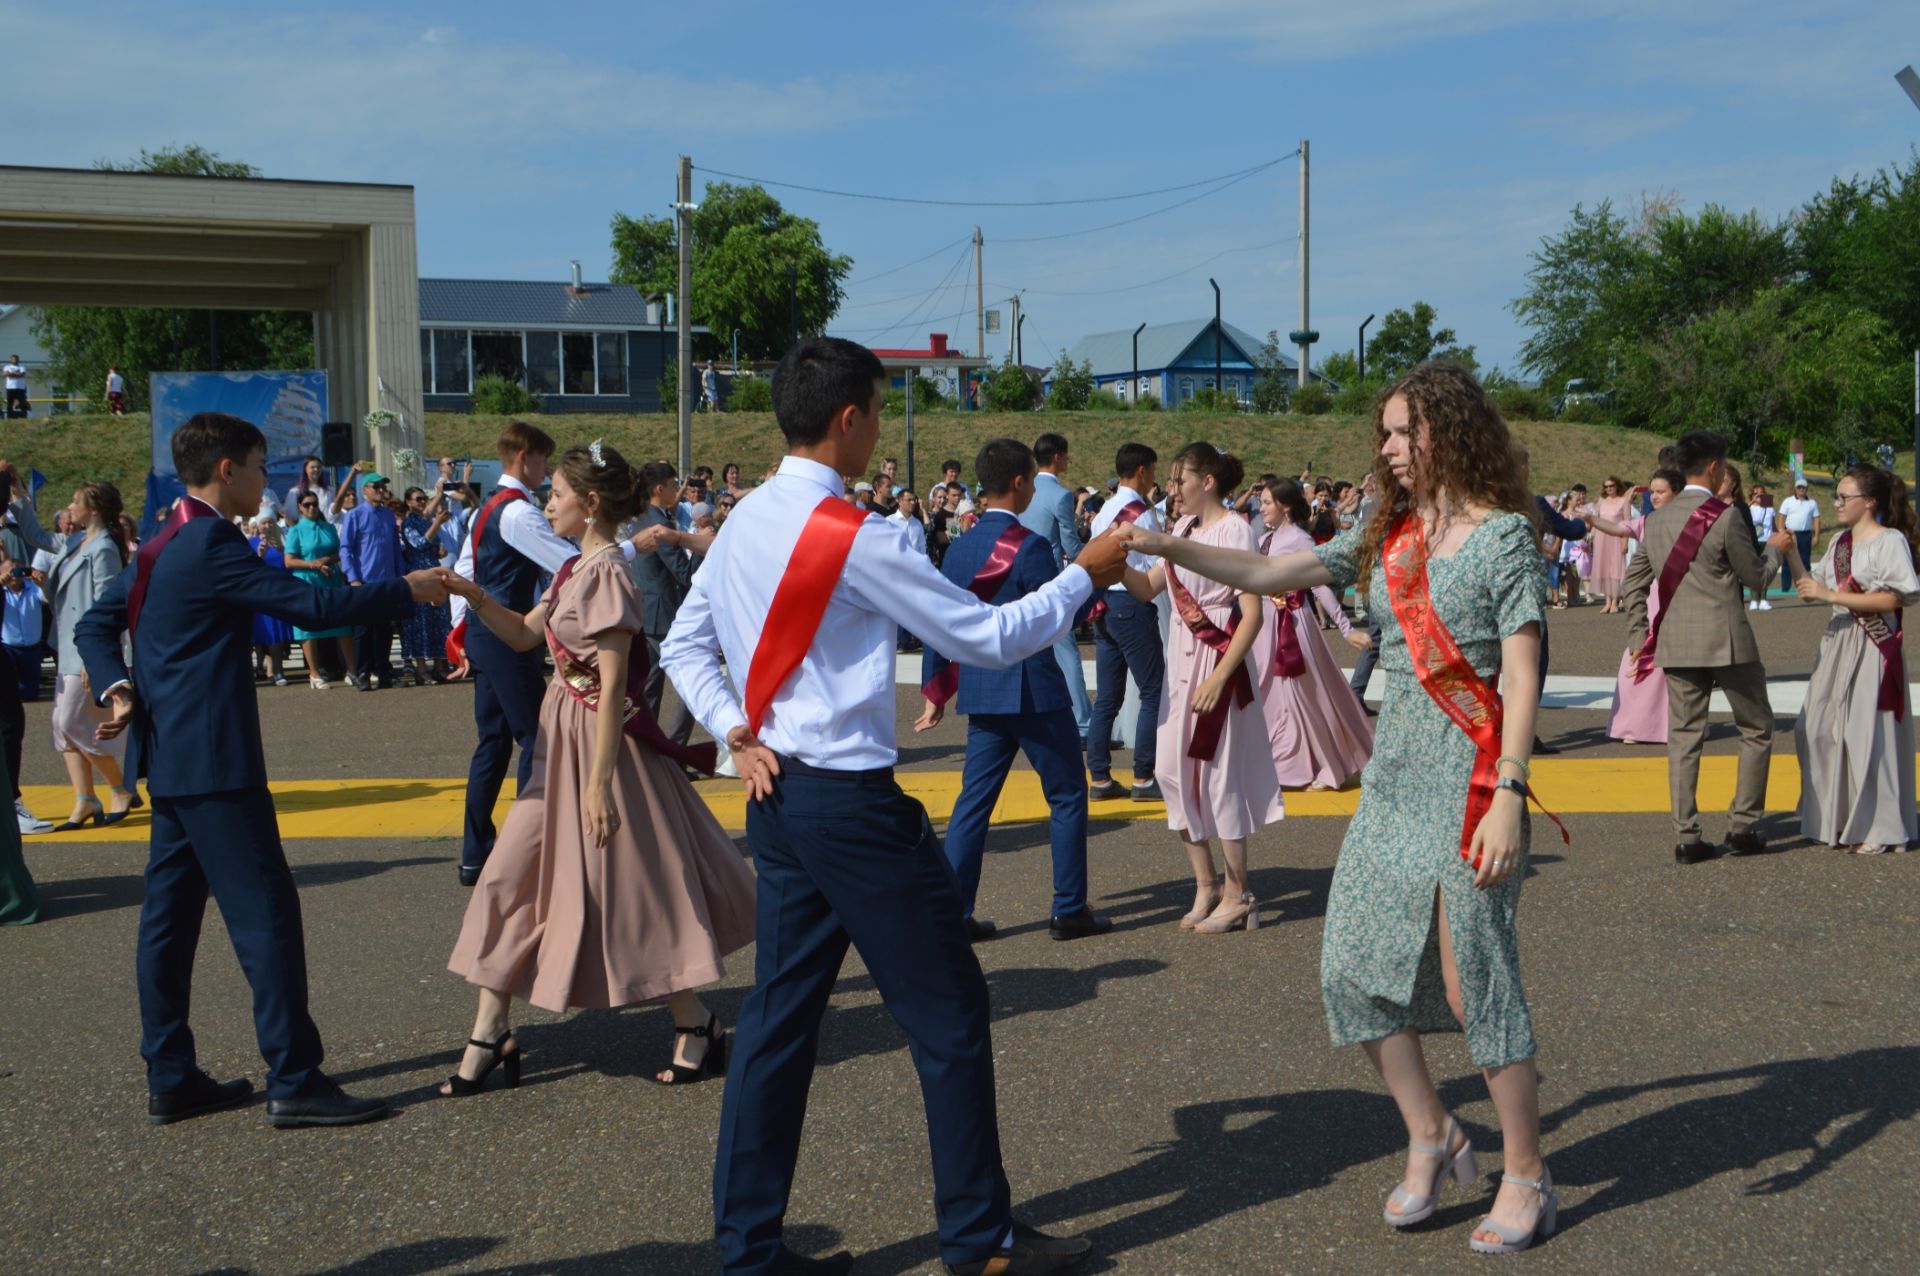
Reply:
x=1067, y=653
x=1804, y=542
x=226, y=844
x=1364, y=662
x=1126, y=641
x=1688, y=694
x=654, y=692
x=1052, y=745
x=506, y=711
x=13, y=726
x=373, y=651
x=848, y=859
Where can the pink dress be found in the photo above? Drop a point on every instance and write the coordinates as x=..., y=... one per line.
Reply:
x=1639, y=708
x=1237, y=792
x=558, y=921
x=1610, y=552
x=1318, y=732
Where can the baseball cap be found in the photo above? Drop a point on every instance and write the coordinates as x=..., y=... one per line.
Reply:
x=863, y=487
x=374, y=478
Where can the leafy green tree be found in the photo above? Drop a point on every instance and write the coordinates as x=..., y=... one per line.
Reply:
x=743, y=244
x=1072, y=386
x=81, y=341
x=1408, y=337
x=1583, y=297
x=1341, y=367
x=1011, y=388
x=1860, y=243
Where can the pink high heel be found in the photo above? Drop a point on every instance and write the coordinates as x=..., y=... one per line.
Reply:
x=1201, y=913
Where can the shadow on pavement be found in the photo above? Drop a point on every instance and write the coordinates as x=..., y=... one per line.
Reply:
x=650, y=1258
x=81, y=895
x=1285, y=894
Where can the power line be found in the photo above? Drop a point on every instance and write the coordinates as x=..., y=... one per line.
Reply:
x=1185, y=270
x=1092, y=230
x=927, y=300
x=866, y=279
x=1003, y=203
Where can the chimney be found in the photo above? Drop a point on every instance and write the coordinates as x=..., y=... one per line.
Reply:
x=938, y=340
x=576, y=275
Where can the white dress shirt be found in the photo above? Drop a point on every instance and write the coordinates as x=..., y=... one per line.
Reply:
x=915, y=529
x=837, y=710
x=526, y=529
x=1122, y=497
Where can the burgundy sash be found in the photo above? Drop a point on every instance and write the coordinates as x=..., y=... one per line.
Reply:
x=456, y=644
x=800, y=601
x=1289, y=658
x=1445, y=674
x=1679, y=559
x=986, y=583
x=1893, y=665
x=1129, y=513
x=582, y=681
x=1206, y=732
x=189, y=509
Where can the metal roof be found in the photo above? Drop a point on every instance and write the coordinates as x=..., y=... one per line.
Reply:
x=534, y=303
x=1111, y=353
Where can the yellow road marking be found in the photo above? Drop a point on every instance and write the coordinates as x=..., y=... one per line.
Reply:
x=433, y=808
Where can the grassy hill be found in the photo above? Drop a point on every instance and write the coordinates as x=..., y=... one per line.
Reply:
x=71, y=449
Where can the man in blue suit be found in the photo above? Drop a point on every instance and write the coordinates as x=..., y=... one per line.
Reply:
x=1052, y=514
x=1009, y=711
x=188, y=601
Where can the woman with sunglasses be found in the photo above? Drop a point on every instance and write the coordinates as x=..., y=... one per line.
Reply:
x=1610, y=552
x=312, y=553
x=423, y=637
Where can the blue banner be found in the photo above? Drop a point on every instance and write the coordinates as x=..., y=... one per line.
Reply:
x=289, y=408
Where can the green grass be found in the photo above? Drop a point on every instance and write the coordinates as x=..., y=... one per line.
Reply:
x=70, y=449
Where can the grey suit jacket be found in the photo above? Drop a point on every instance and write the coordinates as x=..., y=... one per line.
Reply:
x=1706, y=623
x=80, y=574
x=1051, y=515
x=663, y=576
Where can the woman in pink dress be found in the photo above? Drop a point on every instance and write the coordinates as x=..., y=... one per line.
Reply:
x=1640, y=708
x=1316, y=726
x=611, y=883
x=1609, y=572
x=1210, y=708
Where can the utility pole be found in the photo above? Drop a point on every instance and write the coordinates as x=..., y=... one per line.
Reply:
x=683, y=233
x=1019, y=352
x=979, y=316
x=1305, y=327
x=1133, y=394
x=1013, y=330
x=1219, y=386
x=1363, y=347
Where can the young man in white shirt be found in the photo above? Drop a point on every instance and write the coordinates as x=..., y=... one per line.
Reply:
x=116, y=391
x=15, y=374
x=1760, y=510
x=1126, y=640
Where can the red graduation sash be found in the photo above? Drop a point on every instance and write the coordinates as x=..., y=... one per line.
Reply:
x=800, y=601
x=457, y=639
x=1289, y=658
x=1672, y=572
x=189, y=509
x=985, y=584
x=1129, y=513
x=1893, y=664
x=582, y=681
x=1445, y=674
x=1206, y=732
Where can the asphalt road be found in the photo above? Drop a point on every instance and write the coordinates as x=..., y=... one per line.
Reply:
x=1730, y=1054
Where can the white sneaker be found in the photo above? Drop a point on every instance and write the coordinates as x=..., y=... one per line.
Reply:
x=29, y=822
x=1752, y=605
x=1763, y=605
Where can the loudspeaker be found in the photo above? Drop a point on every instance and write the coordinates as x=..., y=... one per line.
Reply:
x=336, y=444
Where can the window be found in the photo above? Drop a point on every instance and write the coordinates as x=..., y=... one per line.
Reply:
x=1186, y=388
x=576, y=351
x=450, y=361
x=543, y=362
x=499, y=354
x=1233, y=388
x=426, y=361
x=613, y=362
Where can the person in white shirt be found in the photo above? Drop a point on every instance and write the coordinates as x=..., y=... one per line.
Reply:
x=1800, y=515
x=1126, y=640
x=1760, y=510
x=844, y=857
x=116, y=391
x=16, y=378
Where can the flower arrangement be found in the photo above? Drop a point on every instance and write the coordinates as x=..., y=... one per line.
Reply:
x=406, y=460
x=381, y=419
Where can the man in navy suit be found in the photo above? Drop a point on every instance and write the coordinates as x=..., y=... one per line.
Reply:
x=188, y=600
x=1009, y=711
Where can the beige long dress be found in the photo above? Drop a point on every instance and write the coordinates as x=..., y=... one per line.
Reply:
x=558, y=921
x=1856, y=760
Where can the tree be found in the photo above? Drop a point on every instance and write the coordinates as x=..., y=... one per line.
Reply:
x=743, y=244
x=82, y=341
x=1407, y=338
x=1342, y=367
x=1011, y=388
x=1072, y=386
x=1580, y=298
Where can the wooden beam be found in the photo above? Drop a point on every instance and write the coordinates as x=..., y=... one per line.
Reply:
x=122, y=244
x=175, y=297
x=150, y=274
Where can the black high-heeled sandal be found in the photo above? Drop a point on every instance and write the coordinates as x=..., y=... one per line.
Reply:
x=509, y=1064
x=712, y=1064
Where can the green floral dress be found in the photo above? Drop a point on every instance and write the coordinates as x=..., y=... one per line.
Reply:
x=1380, y=960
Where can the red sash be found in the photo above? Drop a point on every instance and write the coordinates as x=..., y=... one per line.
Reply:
x=1679, y=559
x=189, y=509
x=800, y=601
x=1444, y=673
x=1129, y=513
x=1206, y=732
x=985, y=585
x=1893, y=664
x=1289, y=658
x=457, y=640
x=582, y=681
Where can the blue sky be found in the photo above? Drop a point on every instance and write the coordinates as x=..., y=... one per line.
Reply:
x=1447, y=136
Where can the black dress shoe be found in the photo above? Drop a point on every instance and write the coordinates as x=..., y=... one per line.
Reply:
x=1146, y=791
x=199, y=1096
x=332, y=1106
x=792, y=1264
x=468, y=876
x=1031, y=1253
x=1694, y=852
x=978, y=930
x=1748, y=843
x=1101, y=790
x=1078, y=925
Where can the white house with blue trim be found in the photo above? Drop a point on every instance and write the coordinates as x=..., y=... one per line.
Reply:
x=1176, y=361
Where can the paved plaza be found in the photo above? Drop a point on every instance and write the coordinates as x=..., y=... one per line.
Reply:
x=1730, y=1052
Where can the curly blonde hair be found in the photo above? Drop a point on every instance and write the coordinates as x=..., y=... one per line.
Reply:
x=1468, y=453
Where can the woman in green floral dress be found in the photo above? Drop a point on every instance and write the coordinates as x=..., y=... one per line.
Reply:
x=1418, y=939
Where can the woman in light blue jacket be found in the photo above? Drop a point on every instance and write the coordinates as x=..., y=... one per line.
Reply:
x=94, y=554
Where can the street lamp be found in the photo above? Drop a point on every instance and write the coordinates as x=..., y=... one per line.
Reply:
x=1911, y=83
x=1134, y=393
x=1362, y=375
x=1218, y=384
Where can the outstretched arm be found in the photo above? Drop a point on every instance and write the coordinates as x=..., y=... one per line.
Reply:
x=1245, y=570
x=522, y=633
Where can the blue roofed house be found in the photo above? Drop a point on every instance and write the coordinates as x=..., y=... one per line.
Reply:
x=1176, y=361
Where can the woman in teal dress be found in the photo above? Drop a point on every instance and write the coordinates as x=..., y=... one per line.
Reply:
x=313, y=554
x=1418, y=939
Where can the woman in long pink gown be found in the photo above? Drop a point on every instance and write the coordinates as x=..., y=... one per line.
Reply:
x=1640, y=708
x=1234, y=793
x=1609, y=572
x=1318, y=731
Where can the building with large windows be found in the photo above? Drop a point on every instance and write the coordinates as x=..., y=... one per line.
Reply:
x=1176, y=361
x=582, y=347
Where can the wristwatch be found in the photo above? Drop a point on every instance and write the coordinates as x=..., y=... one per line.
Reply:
x=1512, y=785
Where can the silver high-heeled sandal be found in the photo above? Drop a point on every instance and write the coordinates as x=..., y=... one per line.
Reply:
x=1513, y=1240
x=1199, y=915
x=1415, y=1208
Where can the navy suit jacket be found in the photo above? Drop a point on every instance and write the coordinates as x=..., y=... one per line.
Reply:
x=1034, y=684
x=196, y=723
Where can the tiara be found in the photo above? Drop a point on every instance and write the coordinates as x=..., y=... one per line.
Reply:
x=599, y=461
